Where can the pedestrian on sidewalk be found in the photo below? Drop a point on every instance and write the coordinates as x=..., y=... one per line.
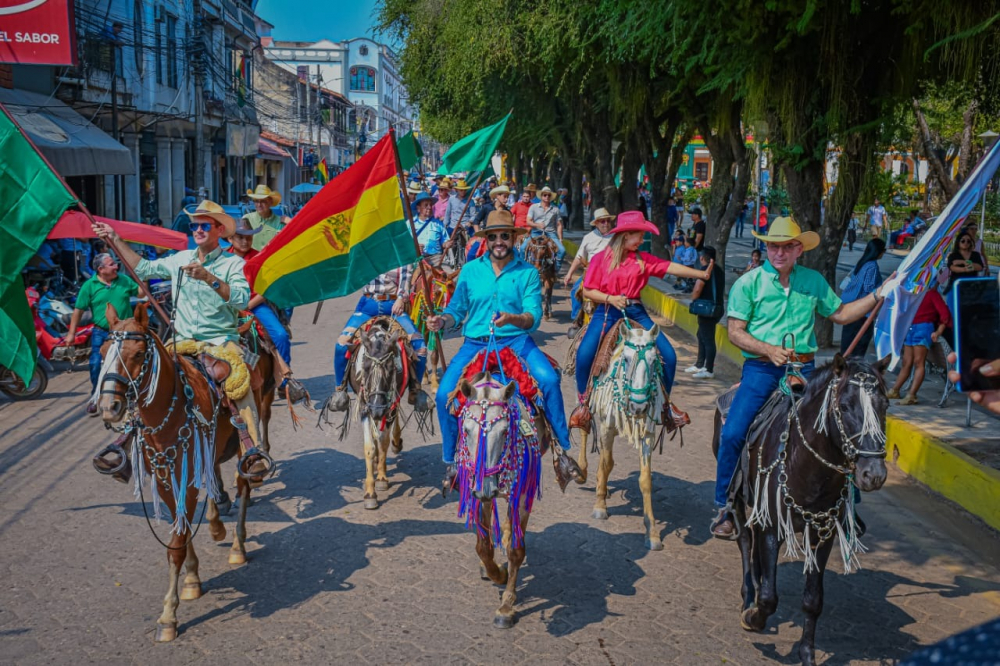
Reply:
x=852, y=232
x=876, y=218
x=741, y=220
x=928, y=325
x=709, y=290
x=972, y=228
x=686, y=255
x=673, y=217
x=861, y=283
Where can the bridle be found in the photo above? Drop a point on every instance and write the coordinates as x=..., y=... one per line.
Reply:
x=393, y=394
x=132, y=385
x=486, y=425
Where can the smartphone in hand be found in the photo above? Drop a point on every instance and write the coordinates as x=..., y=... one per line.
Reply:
x=977, y=331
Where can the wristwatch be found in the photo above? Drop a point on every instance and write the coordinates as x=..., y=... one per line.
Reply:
x=216, y=284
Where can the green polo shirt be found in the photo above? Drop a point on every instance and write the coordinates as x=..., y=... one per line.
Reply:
x=96, y=295
x=759, y=299
x=269, y=228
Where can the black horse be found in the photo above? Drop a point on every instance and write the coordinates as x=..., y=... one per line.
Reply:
x=798, y=478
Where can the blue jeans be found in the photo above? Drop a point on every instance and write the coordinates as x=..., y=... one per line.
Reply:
x=760, y=379
x=604, y=316
x=574, y=304
x=366, y=310
x=97, y=338
x=560, y=248
x=279, y=336
x=538, y=366
x=739, y=225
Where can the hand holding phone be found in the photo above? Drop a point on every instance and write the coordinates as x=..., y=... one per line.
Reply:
x=977, y=334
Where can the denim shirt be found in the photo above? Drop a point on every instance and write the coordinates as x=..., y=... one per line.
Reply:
x=480, y=293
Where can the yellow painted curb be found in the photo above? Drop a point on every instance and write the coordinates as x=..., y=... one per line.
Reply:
x=936, y=464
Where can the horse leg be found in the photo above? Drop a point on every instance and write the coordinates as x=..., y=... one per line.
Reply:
x=382, y=480
x=265, y=419
x=603, y=471
x=192, y=583
x=581, y=460
x=812, y=604
x=397, y=436
x=748, y=590
x=484, y=545
x=765, y=552
x=166, y=626
x=238, y=553
x=504, y=618
x=215, y=527
x=653, y=541
x=371, y=460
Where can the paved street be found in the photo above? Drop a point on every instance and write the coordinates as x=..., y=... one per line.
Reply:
x=83, y=579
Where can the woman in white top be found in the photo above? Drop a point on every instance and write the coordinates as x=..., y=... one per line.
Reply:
x=592, y=243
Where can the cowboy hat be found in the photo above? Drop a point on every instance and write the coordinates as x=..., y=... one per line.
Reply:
x=445, y=184
x=530, y=188
x=499, y=220
x=462, y=185
x=601, y=214
x=634, y=220
x=244, y=228
x=214, y=211
x=414, y=187
x=423, y=196
x=545, y=190
x=786, y=230
x=264, y=192
x=496, y=191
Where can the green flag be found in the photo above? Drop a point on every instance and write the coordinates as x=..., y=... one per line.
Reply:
x=410, y=151
x=475, y=151
x=32, y=199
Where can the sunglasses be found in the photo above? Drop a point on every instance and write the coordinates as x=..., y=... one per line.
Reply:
x=202, y=226
x=503, y=235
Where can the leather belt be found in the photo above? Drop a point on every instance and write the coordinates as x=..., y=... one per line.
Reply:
x=383, y=297
x=804, y=358
x=484, y=339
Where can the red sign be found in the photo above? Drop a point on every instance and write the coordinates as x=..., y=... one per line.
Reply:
x=37, y=32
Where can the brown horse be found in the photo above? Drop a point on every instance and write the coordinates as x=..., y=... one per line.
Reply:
x=442, y=286
x=800, y=470
x=182, y=435
x=541, y=253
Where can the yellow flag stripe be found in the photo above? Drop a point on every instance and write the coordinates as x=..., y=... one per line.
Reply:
x=378, y=206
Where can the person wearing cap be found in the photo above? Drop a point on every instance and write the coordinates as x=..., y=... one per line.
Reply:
x=521, y=207
x=431, y=235
x=443, y=197
x=614, y=281
x=592, y=244
x=502, y=292
x=436, y=179
x=498, y=201
x=698, y=229
x=263, y=218
x=209, y=288
x=543, y=219
x=456, y=206
x=412, y=190
x=778, y=299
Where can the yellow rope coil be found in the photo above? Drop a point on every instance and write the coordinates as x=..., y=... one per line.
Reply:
x=237, y=385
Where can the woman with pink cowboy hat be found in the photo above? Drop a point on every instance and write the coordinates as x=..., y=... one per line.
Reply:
x=614, y=280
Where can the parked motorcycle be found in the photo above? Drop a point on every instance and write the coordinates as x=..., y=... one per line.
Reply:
x=52, y=318
x=14, y=387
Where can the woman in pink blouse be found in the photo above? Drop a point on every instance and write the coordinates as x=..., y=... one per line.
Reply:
x=614, y=280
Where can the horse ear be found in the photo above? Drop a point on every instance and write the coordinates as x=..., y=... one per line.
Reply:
x=141, y=315
x=882, y=364
x=465, y=388
x=363, y=336
x=508, y=391
x=112, y=315
x=839, y=364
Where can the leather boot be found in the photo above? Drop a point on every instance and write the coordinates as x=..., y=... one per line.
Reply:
x=293, y=391
x=674, y=418
x=724, y=525
x=581, y=417
x=418, y=399
x=339, y=401
x=566, y=469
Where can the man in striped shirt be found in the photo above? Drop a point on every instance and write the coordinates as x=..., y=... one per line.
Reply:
x=386, y=295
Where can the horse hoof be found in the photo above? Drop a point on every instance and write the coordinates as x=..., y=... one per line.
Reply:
x=654, y=544
x=503, y=621
x=236, y=557
x=382, y=485
x=371, y=502
x=599, y=514
x=217, y=533
x=396, y=450
x=191, y=591
x=746, y=620
x=581, y=478
x=482, y=573
x=165, y=632
x=225, y=506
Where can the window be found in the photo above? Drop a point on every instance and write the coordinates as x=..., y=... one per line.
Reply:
x=362, y=79
x=701, y=170
x=166, y=51
x=171, y=54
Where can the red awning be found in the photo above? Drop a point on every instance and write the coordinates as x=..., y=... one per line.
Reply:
x=74, y=224
x=268, y=147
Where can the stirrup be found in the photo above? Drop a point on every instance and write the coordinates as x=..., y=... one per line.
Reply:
x=115, y=448
x=251, y=458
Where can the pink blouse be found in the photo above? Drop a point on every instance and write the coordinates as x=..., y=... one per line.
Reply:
x=629, y=278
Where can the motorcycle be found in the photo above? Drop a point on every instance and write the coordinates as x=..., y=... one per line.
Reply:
x=52, y=317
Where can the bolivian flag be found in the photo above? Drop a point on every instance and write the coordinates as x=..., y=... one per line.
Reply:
x=352, y=231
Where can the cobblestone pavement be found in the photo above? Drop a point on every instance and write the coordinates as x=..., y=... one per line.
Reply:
x=83, y=580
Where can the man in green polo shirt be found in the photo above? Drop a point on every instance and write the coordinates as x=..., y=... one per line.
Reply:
x=765, y=305
x=106, y=286
x=264, y=199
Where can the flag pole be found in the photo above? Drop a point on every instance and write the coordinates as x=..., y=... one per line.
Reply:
x=160, y=312
x=428, y=297
x=869, y=322
x=467, y=202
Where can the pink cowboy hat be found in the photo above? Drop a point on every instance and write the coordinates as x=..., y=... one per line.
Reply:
x=633, y=220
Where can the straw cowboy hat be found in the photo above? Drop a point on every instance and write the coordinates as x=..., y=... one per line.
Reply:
x=634, y=220
x=499, y=220
x=445, y=184
x=496, y=191
x=601, y=214
x=785, y=230
x=264, y=192
x=414, y=187
x=462, y=185
x=244, y=228
x=545, y=190
x=214, y=211
x=530, y=188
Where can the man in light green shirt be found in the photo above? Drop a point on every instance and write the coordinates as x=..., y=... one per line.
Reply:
x=264, y=198
x=765, y=305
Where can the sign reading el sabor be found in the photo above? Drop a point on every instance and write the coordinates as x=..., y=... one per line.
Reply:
x=37, y=32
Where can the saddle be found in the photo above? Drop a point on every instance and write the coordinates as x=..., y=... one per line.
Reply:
x=225, y=367
x=512, y=368
x=392, y=327
x=604, y=352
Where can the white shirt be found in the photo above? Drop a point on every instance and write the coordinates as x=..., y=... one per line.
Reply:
x=877, y=213
x=591, y=244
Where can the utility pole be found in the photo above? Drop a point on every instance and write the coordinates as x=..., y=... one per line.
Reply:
x=309, y=117
x=319, y=117
x=298, y=127
x=114, y=126
x=198, y=67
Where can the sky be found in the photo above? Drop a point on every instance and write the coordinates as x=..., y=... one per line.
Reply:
x=309, y=20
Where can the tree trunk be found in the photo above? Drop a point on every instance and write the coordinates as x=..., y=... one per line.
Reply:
x=732, y=176
x=937, y=166
x=627, y=191
x=676, y=159
x=576, y=220
x=965, y=152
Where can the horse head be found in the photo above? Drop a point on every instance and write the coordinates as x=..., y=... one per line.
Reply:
x=855, y=400
x=638, y=362
x=486, y=423
x=380, y=365
x=128, y=354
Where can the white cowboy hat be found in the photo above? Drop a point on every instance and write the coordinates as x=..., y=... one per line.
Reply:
x=214, y=211
x=601, y=214
x=264, y=192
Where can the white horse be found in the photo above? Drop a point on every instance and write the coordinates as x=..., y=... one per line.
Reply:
x=627, y=399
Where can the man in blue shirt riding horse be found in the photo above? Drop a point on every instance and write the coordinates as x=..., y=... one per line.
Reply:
x=500, y=291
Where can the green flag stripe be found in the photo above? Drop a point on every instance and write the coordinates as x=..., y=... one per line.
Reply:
x=475, y=151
